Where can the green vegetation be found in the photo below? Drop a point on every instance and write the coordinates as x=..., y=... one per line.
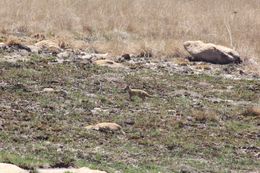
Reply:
x=172, y=132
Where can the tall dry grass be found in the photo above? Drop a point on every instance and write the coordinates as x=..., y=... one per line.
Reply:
x=129, y=25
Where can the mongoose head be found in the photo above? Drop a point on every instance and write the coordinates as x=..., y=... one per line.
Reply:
x=127, y=88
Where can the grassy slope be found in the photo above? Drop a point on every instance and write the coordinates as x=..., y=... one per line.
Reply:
x=167, y=133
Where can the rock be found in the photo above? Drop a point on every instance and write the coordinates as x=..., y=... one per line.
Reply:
x=108, y=63
x=16, y=44
x=129, y=121
x=127, y=57
x=9, y=168
x=98, y=111
x=23, y=52
x=71, y=170
x=205, y=85
x=88, y=57
x=211, y=53
x=105, y=127
x=1, y=123
x=123, y=58
x=64, y=55
x=94, y=56
x=34, y=49
x=98, y=55
x=186, y=93
x=48, y=90
x=2, y=46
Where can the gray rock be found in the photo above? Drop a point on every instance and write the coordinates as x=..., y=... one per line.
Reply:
x=211, y=53
x=34, y=49
x=63, y=55
x=88, y=57
x=24, y=52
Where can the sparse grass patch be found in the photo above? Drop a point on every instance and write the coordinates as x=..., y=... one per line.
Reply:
x=25, y=161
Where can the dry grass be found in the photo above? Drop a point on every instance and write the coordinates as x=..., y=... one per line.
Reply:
x=120, y=26
x=203, y=116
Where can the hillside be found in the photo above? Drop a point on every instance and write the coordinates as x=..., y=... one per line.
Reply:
x=67, y=68
x=196, y=120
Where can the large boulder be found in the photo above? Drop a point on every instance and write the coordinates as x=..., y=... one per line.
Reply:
x=211, y=53
x=9, y=168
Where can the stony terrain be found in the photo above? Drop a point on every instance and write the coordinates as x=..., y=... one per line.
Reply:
x=196, y=120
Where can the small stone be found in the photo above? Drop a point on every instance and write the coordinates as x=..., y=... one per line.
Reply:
x=129, y=122
x=126, y=57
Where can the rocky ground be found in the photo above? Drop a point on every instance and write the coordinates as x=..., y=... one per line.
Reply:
x=196, y=121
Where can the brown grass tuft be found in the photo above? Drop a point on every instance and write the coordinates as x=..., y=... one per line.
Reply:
x=204, y=116
x=13, y=41
x=39, y=36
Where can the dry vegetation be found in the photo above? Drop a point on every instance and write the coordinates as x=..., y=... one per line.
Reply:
x=119, y=26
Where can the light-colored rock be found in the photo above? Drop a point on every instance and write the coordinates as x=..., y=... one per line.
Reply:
x=9, y=168
x=87, y=56
x=2, y=45
x=23, y=52
x=48, y=90
x=94, y=56
x=100, y=55
x=98, y=111
x=105, y=127
x=211, y=53
x=71, y=170
x=64, y=55
x=108, y=63
x=34, y=49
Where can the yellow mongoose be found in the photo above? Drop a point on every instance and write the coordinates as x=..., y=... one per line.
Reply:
x=137, y=92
